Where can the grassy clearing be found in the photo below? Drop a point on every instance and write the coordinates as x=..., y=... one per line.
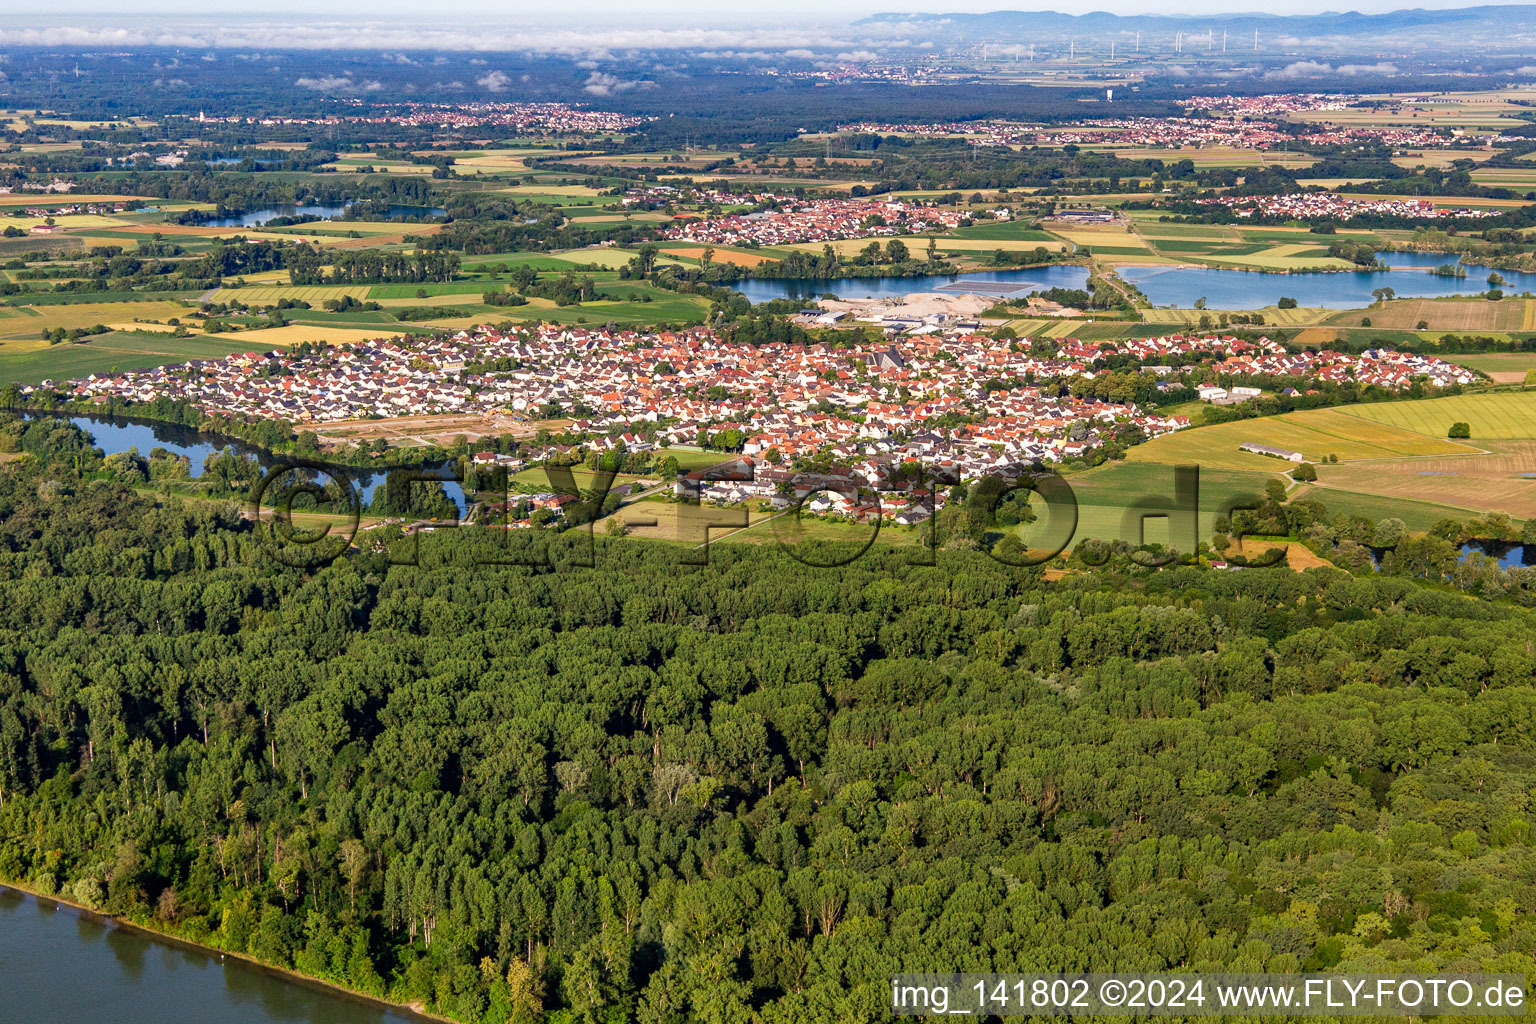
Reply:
x=1499, y=416
x=1315, y=433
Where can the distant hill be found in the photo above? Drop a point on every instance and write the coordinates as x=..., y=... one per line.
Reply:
x=1424, y=26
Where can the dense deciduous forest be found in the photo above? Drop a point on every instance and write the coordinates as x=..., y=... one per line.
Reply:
x=746, y=790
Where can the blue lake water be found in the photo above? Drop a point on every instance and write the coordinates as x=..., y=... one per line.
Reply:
x=1005, y=283
x=1510, y=555
x=1240, y=289
x=114, y=434
x=62, y=966
x=326, y=211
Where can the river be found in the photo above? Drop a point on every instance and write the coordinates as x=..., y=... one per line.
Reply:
x=325, y=211
x=116, y=434
x=1001, y=283
x=63, y=966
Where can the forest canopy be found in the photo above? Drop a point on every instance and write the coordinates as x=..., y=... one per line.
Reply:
x=747, y=790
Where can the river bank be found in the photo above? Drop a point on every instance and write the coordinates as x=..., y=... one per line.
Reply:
x=385, y=1010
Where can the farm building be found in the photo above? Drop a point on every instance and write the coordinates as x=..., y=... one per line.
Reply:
x=1274, y=453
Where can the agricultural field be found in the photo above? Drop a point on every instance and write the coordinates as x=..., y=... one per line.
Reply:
x=29, y=363
x=1502, y=480
x=1226, y=246
x=1415, y=514
x=26, y=323
x=1048, y=328
x=265, y=295
x=1108, y=494
x=1107, y=240
x=1316, y=433
x=1501, y=367
x=737, y=257
x=1508, y=415
x=1301, y=316
x=1014, y=231
x=1455, y=315
x=1211, y=156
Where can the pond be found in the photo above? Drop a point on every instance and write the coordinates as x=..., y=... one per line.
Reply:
x=64, y=966
x=114, y=434
x=1410, y=278
x=325, y=211
x=1001, y=283
x=1510, y=554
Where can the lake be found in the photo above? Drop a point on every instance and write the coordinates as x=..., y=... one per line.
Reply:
x=327, y=211
x=116, y=434
x=63, y=966
x=1001, y=283
x=1239, y=289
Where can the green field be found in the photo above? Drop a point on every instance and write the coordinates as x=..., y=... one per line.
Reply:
x=1015, y=231
x=408, y=291
x=1498, y=416
x=103, y=353
x=1107, y=494
x=1416, y=515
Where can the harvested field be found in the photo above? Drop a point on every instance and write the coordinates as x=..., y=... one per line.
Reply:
x=1297, y=555
x=739, y=259
x=1503, y=480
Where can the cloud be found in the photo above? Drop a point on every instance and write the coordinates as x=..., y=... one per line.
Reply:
x=337, y=84
x=599, y=84
x=1302, y=69
x=858, y=55
x=582, y=43
x=1525, y=69
x=1381, y=68
x=800, y=53
x=496, y=81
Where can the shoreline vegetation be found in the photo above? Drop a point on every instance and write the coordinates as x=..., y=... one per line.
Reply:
x=245, y=960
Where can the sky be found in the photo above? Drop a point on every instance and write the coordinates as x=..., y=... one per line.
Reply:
x=662, y=13
x=594, y=28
